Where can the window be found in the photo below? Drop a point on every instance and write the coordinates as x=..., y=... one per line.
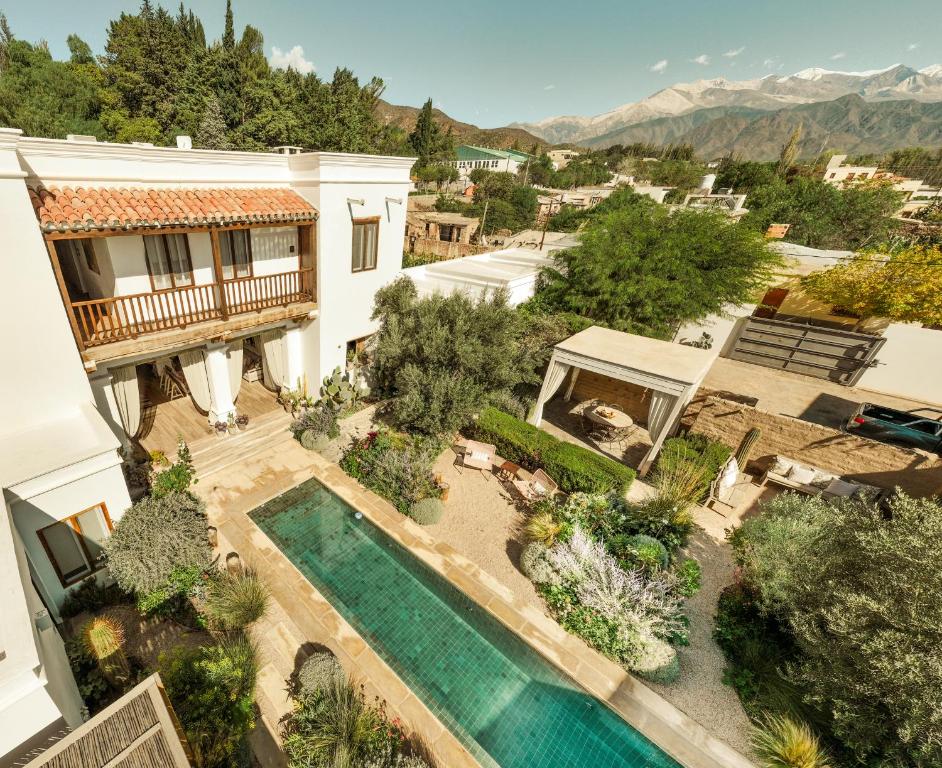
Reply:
x=365, y=243
x=168, y=261
x=235, y=251
x=74, y=545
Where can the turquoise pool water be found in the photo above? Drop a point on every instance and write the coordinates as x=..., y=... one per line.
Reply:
x=499, y=697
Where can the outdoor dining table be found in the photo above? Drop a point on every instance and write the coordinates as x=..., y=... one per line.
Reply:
x=607, y=416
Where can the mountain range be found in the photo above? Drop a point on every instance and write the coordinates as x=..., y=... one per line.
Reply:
x=742, y=100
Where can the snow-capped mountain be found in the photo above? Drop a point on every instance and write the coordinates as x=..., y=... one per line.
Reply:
x=770, y=92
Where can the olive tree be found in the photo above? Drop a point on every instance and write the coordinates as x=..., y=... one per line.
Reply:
x=858, y=588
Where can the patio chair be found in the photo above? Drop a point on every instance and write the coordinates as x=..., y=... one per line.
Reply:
x=475, y=455
x=539, y=486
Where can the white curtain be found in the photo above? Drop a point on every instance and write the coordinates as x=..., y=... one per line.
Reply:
x=273, y=358
x=127, y=396
x=234, y=356
x=194, y=371
x=659, y=412
x=555, y=376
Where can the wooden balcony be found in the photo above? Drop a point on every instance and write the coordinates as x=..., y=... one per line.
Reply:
x=120, y=318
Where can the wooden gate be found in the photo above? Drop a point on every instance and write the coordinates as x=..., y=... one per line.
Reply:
x=826, y=353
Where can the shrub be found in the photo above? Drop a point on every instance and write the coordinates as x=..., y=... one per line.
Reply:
x=212, y=689
x=573, y=467
x=178, y=477
x=320, y=419
x=318, y=673
x=782, y=742
x=542, y=527
x=427, y=511
x=687, y=465
x=314, y=441
x=689, y=576
x=396, y=466
x=338, y=727
x=646, y=552
x=662, y=518
x=535, y=566
x=657, y=662
x=156, y=537
x=92, y=596
x=234, y=602
x=635, y=607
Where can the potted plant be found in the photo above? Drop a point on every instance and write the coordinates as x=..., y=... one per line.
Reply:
x=231, y=422
x=221, y=428
x=158, y=460
x=242, y=421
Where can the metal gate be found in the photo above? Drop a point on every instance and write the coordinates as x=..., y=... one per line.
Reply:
x=826, y=353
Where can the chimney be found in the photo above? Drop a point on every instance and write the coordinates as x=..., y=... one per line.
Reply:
x=184, y=142
x=81, y=138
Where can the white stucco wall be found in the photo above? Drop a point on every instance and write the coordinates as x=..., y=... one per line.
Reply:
x=274, y=250
x=345, y=298
x=722, y=327
x=908, y=365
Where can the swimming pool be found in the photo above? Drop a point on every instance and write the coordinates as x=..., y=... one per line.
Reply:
x=508, y=705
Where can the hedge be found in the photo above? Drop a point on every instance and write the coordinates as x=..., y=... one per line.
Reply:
x=573, y=467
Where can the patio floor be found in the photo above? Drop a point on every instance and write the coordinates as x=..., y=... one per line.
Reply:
x=563, y=421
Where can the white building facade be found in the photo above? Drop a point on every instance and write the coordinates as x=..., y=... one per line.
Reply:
x=121, y=262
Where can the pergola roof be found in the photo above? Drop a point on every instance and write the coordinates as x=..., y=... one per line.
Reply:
x=660, y=365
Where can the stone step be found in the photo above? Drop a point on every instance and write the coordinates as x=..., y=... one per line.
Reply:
x=213, y=454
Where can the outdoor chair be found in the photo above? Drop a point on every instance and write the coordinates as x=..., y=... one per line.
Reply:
x=475, y=455
x=539, y=486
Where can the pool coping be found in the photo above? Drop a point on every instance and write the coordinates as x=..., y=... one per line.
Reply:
x=685, y=740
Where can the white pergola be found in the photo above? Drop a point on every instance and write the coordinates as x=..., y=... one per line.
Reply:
x=673, y=373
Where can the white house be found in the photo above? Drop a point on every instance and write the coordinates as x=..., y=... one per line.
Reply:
x=122, y=264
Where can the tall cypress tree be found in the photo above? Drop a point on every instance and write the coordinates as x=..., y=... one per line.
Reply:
x=427, y=140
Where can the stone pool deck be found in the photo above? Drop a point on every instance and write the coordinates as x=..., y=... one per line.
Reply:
x=301, y=617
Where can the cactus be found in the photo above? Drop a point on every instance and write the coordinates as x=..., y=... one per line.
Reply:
x=341, y=393
x=104, y=640
x=744, y=452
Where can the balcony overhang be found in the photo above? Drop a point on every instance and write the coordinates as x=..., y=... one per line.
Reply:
x=172, y=340
x=101, y=211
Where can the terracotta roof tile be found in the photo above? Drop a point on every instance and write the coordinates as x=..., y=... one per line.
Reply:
x=67, y=209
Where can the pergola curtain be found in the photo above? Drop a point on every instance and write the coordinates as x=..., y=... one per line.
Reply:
x=127, y=396
x=555, y=376
x=194, y=371
x=234, y=356
x=273, y=358
x=659, y=412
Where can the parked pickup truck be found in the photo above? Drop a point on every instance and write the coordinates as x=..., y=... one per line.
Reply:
x=888, y=425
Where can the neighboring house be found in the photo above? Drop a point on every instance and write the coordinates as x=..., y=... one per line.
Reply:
x=917, y=195
x=838, y=174
x=906, y=359
x=560, y=158
x=533, y=239
x=551, y=200
x=121, y=263
x=434, y=225
x=498, y=160
x=514, y=270
x=722, y=200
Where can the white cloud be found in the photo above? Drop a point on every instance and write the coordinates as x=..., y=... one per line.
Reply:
x=912, y=46
x=294, y=59
x=734, y=52
x=548, y=87
x=702, y=59
x=659, y=66
x=772, y=63
x=838, y=55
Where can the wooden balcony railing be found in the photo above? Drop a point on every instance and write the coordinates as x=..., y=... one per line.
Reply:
x=101, y=321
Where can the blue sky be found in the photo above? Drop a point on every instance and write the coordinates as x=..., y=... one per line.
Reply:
x=491, y=62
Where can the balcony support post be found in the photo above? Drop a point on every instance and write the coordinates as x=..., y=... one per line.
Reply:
x=217, y=271
x=64, y=290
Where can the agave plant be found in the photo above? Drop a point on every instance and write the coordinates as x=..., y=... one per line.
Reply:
x=782, y=742
x=235, y=601
x=103, y=637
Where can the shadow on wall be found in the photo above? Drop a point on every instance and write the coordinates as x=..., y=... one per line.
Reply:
x=829, y=410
